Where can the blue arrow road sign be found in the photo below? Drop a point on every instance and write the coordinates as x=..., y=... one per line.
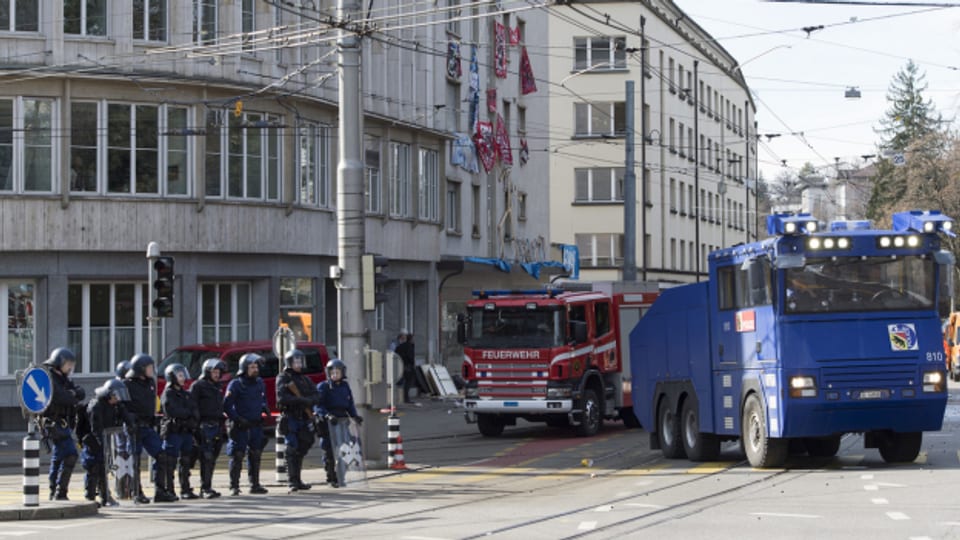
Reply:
x=36, y=390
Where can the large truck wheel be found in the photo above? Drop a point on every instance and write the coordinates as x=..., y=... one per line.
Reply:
x=490, y=425
x=591, y=417
x=699, y=446
x=668, y=431
x=762, y=451
x=900, y=447
x=822, y=446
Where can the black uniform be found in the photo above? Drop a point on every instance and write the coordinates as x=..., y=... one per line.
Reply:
x=142, y=405
x=180, y=419
x=296, y=420
x=101, y=416
x=206, y=394
x=59, y=421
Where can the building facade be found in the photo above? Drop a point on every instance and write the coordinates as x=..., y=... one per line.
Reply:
x=210, y=127
x=695, y=139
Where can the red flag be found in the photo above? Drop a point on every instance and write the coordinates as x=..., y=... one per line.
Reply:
x=528, y=83
x=502, y=139
x=500, y=51
x=492, y=100
x=515, y=36
x=486, y=151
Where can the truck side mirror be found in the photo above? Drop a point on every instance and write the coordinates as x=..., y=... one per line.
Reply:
x=461, y=329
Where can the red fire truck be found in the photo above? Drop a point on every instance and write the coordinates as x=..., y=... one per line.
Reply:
x=554, y=356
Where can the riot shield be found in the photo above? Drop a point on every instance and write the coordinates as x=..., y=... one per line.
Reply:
x=120, y=462
x=348, y=451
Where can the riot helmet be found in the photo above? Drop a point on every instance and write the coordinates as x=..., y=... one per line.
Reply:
x=123, y=367
x=294, y=359
x=62, y=359
x=211, y=364
x=113, y=388
x=336, y=363
x=139, y=364
x=176, y=374
x=246, y=361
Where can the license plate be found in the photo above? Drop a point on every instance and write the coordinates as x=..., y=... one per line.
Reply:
x=511, y=404
x=871, y=394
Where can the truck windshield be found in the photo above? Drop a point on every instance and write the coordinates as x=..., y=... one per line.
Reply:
x=838, y=284
x=514, y=328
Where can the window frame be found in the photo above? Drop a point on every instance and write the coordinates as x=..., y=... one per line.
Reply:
x=234, y=323
x=615, y=57
x=145, y=7
x=85, y=20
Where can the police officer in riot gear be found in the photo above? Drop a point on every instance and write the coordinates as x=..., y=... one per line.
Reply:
x=105, y=412
x=180, y=419
x=206, y=394
x=296, y=396
x=122, y=368
x=245, y=403
x=58, y=420
x=334, y=404
x=143, y=405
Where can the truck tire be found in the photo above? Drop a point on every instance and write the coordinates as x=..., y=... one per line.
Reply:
x=668, y=431
x=591, y=417
x=699, y=446
x=490, y=425
x=762, y=451
x=900, y=447
x=822, y=446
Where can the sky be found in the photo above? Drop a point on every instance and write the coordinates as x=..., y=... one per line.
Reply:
x=798, y=82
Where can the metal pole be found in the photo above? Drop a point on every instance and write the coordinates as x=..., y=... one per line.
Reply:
x=643, y=148
x=630, y=195
x=31, y=465
x=696, y=166
x=350, y=218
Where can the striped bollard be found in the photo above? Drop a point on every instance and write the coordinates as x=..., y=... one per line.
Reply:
x=394, y=444
x=31, y=468
x=281, y=459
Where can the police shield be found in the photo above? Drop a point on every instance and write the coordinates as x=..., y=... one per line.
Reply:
x=120, y=462
x=347, y=450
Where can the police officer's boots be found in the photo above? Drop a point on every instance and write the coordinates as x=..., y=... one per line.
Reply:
x=254, y=474
x=105, y=499
x=236, y=463
x=186, y=492
x=330, y=465
x=63, y=481
x=164, y=479
x=206, y=479
x=90, y=482
x=294, y=470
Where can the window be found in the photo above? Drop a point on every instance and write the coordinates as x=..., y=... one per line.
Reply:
x=609, y=52
x=600, y=249
x=85, y=17
x=601, y=318
x=399, y=179
x=204, y=21
x=150, y=20
x=212, y=168
x=83, y=146
x=132, y=148
x=38, y=155
x=673, y=195
x=224, y=312
x=19, y=15
x=372, y=176
x=453, y=16
x=521, y=206
x=673, y=135
x=243, y=153
x=106, y=321
x=682, y=198
x=683, y=151
x=599, y=184
x=314, y=160
x=297, y=307
x=6, y=144
x=673, y=253
x=453, y=207
x=248, y=23
x=599, y=118
x=429, y=186
x=475, y=226
x=18, y=342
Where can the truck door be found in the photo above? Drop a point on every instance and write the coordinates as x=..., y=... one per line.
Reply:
x=728, y=324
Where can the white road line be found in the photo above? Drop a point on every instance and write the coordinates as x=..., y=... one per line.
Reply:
x=871, y=487
x=604, y=508
x=587, y=526
x=897, y=516
x=879, y=501
x=294, y=527
x=866, y=477
x=17, y=533
x=920, y=538
x=778, y=514
x=888, y=484
x=643, y=505
x=623, y=494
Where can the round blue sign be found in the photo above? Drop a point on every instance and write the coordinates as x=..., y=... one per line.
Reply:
x=36, y=390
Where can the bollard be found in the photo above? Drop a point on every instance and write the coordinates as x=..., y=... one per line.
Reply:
x=394, y=444
x=281, y=460
x=31, y=468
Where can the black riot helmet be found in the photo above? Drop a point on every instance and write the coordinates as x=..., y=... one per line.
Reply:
x=245, y=362
x=59, y=357
x=290, y=359
x=173, y=371
x=113, y=388
x=211, y=364
x=123, y=367
x=138, y=365
x=336, y=363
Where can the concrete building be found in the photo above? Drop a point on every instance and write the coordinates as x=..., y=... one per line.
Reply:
x=695, y=139
x=209, y=127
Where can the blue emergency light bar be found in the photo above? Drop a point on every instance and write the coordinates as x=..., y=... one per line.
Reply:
x=791, y=224
x=850, y=225
x=484, y=294
x=923, y=221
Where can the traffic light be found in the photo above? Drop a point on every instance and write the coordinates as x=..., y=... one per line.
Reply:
x=163, y=284
x=373, y=278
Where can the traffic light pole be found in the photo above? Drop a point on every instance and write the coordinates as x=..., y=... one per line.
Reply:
x=153, y=253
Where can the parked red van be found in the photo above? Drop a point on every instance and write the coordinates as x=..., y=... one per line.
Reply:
x=193, y=356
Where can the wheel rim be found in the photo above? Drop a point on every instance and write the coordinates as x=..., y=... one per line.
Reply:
x=592, y=413
x=691, y=428
x=754, y=433
x=666, y=420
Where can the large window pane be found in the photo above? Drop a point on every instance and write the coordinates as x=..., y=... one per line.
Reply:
x=6, y=144
x=38, y=150
x=75, y=321
x=118, y=148
x=20, y=325
x=254, y=158
x=19, y=15
x=150, y=20
x=83, y=147
x=100, y=307
x=212, y=164
x=234, y=156
x=177, y=171
x=147, y=149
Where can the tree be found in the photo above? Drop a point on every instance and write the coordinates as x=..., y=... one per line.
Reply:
x=909, y=119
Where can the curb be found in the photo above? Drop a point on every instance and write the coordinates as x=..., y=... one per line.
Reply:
x=51, y=511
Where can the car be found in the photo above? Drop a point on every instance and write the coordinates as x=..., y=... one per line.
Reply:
x=193, y=356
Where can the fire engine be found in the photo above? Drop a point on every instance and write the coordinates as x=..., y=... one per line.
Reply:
x=554, y=356
x=800, y=338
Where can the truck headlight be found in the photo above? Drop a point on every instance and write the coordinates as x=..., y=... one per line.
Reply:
x=558, y=392
x=803, y=386
x=933, y=381
x=471, y=392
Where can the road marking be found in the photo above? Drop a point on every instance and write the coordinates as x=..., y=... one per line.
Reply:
x=711, y=467
x=951, y=523
x=17, y=533
x=644, y=505
x=778, y=514
x=866, y=477
x=604, y=508
x=622, y=494
x=897, y=516
x=879, y=501
x=641, y=472
x=888, y=484
x=871, y=487
x=294, y=527
x=920, y=538
x=921, y=458
x=587, y=526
